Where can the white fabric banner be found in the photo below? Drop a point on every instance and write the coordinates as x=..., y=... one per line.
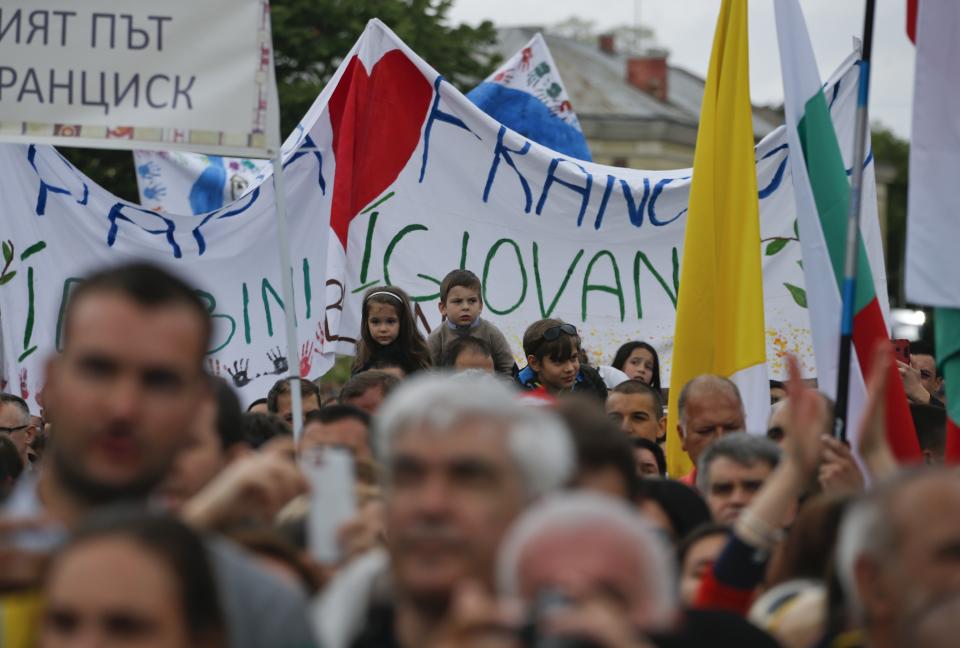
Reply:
x=415, y=181
x=180, y=74
x=933, y=226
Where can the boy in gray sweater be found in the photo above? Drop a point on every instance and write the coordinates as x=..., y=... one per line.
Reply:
x=460, y=304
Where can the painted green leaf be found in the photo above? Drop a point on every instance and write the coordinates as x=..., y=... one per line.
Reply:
x=776, y=246
x=7, y=277
x=33, y=249
x=799, y=294
x=800, y=263
x=7, y=252
x=796, y=228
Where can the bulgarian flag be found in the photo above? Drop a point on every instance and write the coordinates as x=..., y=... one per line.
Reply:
x=822, y=193
x=719, y=325
x=933, y=223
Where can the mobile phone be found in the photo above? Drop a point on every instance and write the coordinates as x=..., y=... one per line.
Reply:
x=331, y=474
x=901, y=350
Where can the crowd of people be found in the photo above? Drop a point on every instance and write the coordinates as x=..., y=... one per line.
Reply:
x=493, y=505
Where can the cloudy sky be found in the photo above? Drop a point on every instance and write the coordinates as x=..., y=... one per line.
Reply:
x=685, y=27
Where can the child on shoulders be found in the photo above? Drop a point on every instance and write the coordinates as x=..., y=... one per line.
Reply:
x=461, y=303
x=388, y=333
x=552, y=348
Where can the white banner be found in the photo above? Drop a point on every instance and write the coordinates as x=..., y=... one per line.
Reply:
x=180, y=74
x=525, y=94
x=415, y=181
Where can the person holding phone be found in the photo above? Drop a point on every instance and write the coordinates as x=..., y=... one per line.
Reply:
x=921, y=379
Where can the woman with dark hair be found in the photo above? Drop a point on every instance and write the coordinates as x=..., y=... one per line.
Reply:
x=639, y=361
x=674, y=507
x=133, y=579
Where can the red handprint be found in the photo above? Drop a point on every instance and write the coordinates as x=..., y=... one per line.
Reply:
x=24, y=392
x=306, y=358
x=525, y=57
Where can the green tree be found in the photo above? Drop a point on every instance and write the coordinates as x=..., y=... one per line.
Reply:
x=894, y=153
x=310, y=39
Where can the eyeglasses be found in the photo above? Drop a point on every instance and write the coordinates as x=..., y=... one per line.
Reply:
x=11, y=430
x=554, y=332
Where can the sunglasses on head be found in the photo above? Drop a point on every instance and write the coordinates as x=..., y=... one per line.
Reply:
x=554, y=332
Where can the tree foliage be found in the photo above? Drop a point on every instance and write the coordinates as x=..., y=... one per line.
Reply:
x=894, y=153
x=310, y=39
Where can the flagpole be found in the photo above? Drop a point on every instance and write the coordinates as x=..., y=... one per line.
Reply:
x=853, y=228
x=286, y=283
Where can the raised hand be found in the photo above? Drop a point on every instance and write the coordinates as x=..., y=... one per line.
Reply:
x=239, y=372
x=872, y=434
x=806, y=422
x=255, y=486
x=915, y=390
x=839, y=472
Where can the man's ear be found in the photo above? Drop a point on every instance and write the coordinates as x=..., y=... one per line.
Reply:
x=31, y=433
x=663, y=426
x=872, y=590
x=534, y=364
x=443, y=310
x=683, y=438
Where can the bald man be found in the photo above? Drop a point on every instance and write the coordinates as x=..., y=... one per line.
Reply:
x=709, y=407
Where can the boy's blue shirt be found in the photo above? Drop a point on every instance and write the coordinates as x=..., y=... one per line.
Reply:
x=528, y=377
x=474, y=324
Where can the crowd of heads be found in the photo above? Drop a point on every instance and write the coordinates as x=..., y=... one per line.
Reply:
x=489, y=501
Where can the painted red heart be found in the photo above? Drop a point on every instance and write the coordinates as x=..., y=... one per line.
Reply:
x=376, y=121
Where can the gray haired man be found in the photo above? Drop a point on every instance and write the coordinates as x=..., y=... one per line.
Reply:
x=15, y=421
x=463, y=458
x=732, y=470
x=898, y=553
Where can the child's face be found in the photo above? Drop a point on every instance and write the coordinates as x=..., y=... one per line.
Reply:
x=383, y=322
x=556, y=375
x=639, y=365
x=462, y=307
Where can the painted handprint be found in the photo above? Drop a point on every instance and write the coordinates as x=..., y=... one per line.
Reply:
x=280, y=364
x=306, y=358
x=148, y=171
x=238, y=372
x=152, y=192
x=213, y=366
x=24, y=390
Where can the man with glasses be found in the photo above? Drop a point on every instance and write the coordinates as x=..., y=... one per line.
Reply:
x=15, y=422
